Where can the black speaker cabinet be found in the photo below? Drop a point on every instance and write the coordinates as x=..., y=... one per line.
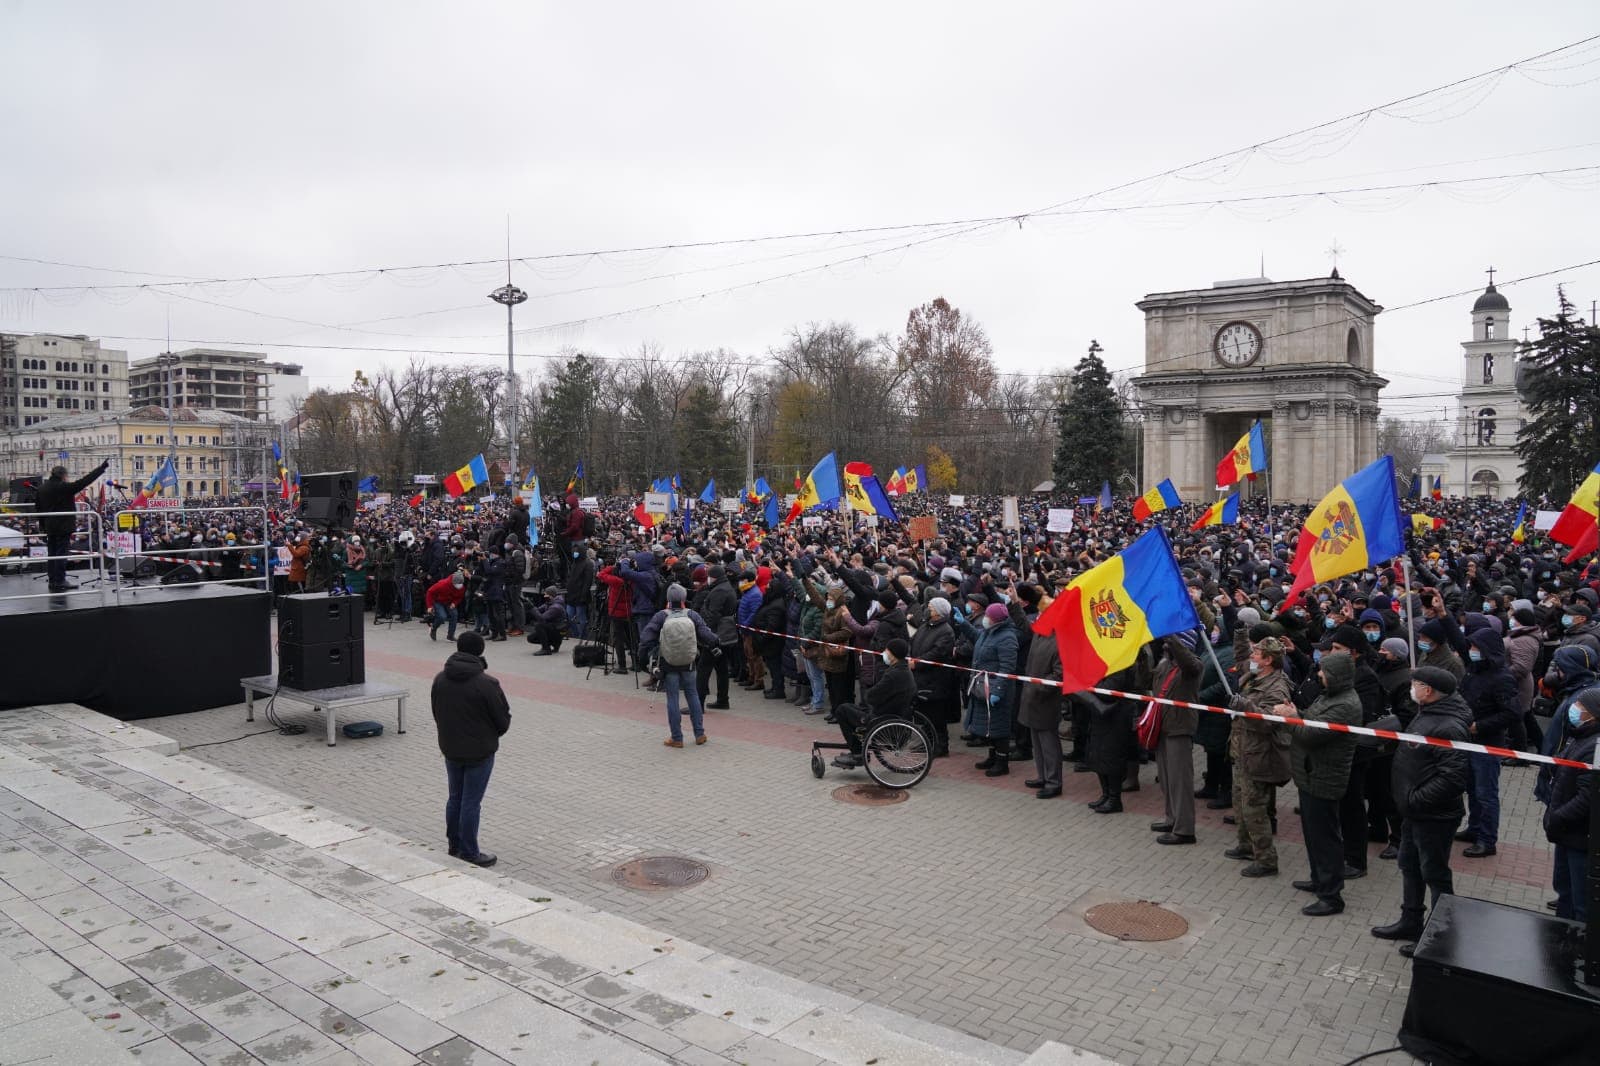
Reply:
x=24, y=489
x=329, y=499
x=313, y=619
x=325, y=665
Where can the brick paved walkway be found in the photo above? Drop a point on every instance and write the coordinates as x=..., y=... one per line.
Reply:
x=954, y=907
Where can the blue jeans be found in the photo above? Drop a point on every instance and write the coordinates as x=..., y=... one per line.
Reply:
x=468, y=782
x=684, y=680
x=1571, y=870
x=578, y=620
x=1483, y=799
x=819, y=682
x=442, y=614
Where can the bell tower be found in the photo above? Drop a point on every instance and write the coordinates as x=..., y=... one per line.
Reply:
x=1484, y=461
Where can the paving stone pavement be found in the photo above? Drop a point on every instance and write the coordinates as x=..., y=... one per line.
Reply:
x=953, y=908
x=155, y=908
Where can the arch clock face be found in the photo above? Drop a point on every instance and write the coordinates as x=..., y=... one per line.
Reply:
x=1237, y=344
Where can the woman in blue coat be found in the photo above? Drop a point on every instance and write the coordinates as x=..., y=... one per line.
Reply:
x=994, y=648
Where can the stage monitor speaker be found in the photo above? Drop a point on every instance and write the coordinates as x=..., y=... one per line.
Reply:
x=329, y=499
x=24, y=489
x=325, y=665
x=314, y=619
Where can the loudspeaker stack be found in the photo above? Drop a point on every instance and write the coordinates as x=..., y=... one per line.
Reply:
x=320, y=642
x=329, y=499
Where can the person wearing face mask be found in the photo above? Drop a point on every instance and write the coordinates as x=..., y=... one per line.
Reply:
x=719, y=606
x=1491, y=693
x=1177, y=677
x=1522, y=655
x=1578, y=626
x=1394, y=680
x=1432, y=649
x=994, y=652
x=1260, y=753
x=1567, y=816
x=1322, y=761
x=580, y=581
x=890, y=697
x=837, y=657
x=1429, y=782
x=934, y=643
x=471, y=714
x=1572, y=670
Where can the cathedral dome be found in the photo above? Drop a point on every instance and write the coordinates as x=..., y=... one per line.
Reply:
x=1491, y=300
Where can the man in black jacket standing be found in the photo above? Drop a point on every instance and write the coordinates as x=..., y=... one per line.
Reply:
x=57, y=494
x=719, y=607
x=472, y=714
x=1429, y=783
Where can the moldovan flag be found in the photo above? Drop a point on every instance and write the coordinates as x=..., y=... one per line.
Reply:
x=1421, y=524
x=864, y=492
x=415, y=501
x=895, y=487
x=1103, y=503
x=468, y=477
x=1519, y=532
x=1157, y=499
x=1109, y=612
x=917, y=478
x=822, y=487
x=1576, y=526
x=1248, y=458
x=1356, y=526
x=1225, y=512
x=1437, y=492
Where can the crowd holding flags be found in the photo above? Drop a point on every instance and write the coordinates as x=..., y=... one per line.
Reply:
x=1247, y=459
x=1225, y=512
x=1437, y=491
x=1422, y=524
x=166, y=476
x=1158, y=499
x=1519, y=532
x=1576, y=527
x=864, y=492
x=1356, y=526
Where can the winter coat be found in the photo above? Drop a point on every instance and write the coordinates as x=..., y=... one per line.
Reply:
x=772, y=617
x=469, y=708
x=1260, y=750
x=650, y=636
x=1321, y=758
x=580, y=578
x=641, y=578
x=749, y=604
x=355, y=569
x=1177, y=678
x=1040, y=706
x=720, y=608
x=934, y=643
x=1394, y=679
x=993, y=649
x=1522, y=654
x=619, y=599
x=1490, y=690
x=1212, y=730
x=1566, y=819
x=298, y=556
x=1111, y=738
x=59, y=494
x=494, y=580
x=573, y=530
x=893, y=693
x=861, y=635
x=836, y=632
x=810, y=622
x=444, y=591
x=1429, y=782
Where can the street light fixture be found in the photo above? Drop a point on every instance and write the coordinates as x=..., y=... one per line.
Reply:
x=511, y=296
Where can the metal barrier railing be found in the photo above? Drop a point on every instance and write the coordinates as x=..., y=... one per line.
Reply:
x=200, y=559
x=96, y=557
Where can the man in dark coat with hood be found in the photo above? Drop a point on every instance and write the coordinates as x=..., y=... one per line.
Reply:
x=1491, y=693
x=1321, y=761
x=472, y=714
x=57, y=494
x=1429, y=782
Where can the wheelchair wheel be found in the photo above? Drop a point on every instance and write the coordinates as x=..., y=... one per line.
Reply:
x=818, y=767
x=897, y=754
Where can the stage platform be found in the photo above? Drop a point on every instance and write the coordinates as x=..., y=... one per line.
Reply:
x=150, y=651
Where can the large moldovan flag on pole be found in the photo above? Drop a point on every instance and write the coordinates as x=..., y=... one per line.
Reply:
x=1247, y=459
x=1576, y=527
x=1356, y=526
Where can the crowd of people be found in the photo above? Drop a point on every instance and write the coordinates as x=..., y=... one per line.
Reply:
x=1495, y=642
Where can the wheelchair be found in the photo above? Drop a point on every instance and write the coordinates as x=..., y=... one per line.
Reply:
x=896, y=752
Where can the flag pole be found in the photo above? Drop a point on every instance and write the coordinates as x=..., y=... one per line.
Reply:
x=1411, y=615
x=1211, y=652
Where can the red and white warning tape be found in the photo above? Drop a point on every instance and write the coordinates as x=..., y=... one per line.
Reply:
x=1337, y=727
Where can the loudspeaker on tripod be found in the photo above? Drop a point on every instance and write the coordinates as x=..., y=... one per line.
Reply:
x=329, y=499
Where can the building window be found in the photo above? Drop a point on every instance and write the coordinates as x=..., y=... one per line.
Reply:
x=1488, y=328
x=105, y=386
x=105, y=368
x=138, y=438
x=1486, y=425
x=1488, y=368
x=188, y=464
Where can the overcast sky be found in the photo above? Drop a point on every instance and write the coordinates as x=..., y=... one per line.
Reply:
x=222, y=140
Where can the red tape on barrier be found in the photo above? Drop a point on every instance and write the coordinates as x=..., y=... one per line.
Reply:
x=1337, y=727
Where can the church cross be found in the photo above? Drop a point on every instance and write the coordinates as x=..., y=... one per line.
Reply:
x=1490, y=272
x=1334, y=252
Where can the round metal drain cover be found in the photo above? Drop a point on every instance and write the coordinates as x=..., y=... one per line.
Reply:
x=660, y=871
x=870, y=795
x=1136, y=920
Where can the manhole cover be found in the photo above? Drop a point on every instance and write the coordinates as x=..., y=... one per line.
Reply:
x=1136, y=920
x=870, y=795
x=660, y=871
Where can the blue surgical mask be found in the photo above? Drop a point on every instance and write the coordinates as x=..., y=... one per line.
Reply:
x=1574, y=716
x=1488, y=608
x=1424, y=646
x=1373, y=635
x=1475, y=655
x=1316, y=655
x=1566, y=620
x=1330, y=623
x=1266, y=607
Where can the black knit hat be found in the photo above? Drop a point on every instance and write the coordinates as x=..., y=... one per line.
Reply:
x=898, y=648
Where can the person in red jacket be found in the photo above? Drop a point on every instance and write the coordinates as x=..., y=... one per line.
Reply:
x=443, y=602
x=619, y=603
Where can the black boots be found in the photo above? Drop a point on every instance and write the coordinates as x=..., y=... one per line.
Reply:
x=997, y=764
x=1110, y=801
x=1409, y=927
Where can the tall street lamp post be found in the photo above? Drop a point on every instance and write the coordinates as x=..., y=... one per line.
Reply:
x=511, y=296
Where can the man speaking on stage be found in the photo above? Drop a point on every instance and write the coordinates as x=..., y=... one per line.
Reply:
x=57, y=494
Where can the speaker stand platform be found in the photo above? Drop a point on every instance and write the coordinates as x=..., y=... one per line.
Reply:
x=326, y=700
x=1493, y=985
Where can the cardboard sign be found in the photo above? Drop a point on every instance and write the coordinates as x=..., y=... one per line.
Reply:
x=923, y=527
x=1060, y=520
x=37, y=551
x=379, y=499
x=590, y=503
x=123, y=544
x=870, y=520
x=1545, y=519
x=281, y=559
x=1012, y=516
x=730, y=505
x=958, y=501
x=424, y=479
x=657, y=502
x=812, y=521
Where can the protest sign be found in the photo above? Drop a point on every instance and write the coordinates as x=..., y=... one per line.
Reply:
x=1060, y=520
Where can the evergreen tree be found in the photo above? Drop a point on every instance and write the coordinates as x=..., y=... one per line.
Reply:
x=708, y=443
x=566, y=414
x=1561, y=388
x=1090, y=428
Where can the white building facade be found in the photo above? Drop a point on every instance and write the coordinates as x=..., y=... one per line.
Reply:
x=1489, y=410
x=49, y=375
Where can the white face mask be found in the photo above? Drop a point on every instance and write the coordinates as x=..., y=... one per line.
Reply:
x=1255, y=667
x=988, y=623
x=886, y=660
x=1416, y=696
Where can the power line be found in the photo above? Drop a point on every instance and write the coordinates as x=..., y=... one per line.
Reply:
x=1316, y=136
